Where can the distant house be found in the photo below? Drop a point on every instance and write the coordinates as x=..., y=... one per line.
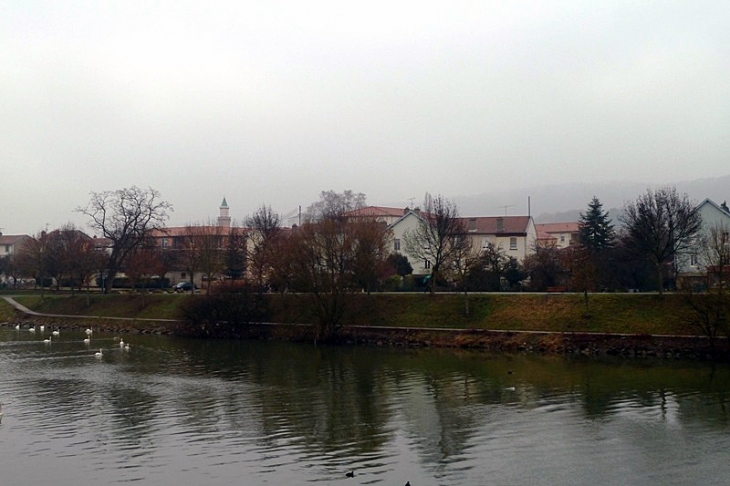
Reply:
x=561, y=235
x=691, y=265
x=10, y=244
x=516, y=235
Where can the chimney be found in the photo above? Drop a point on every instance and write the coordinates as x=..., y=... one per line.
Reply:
x=500, y=224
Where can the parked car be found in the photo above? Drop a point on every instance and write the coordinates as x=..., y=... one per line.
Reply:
x=184, y=287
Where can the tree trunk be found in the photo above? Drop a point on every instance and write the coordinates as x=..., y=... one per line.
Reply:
x=660, y=279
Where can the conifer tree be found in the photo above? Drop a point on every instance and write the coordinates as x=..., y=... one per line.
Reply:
x=596, y=231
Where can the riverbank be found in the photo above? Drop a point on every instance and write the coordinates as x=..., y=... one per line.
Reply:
x=609, y=324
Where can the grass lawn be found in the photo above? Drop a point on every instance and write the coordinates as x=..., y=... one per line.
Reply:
x=614, y=313
x=149, y=306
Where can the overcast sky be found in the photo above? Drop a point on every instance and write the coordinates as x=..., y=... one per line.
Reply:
x=272, y=102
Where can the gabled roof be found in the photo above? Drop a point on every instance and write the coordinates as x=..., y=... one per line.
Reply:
x=713, y=204
x=12, y=239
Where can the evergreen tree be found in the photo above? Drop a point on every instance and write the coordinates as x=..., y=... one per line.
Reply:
x=596, y=230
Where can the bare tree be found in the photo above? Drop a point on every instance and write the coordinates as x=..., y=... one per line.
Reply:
x=438, y=237
x=81, y=259
x=68, y=252
x=462, y=261
x=330, y=259
x=32, y=258
x=235, y=253
x=332, y=204
x=487, y=270
x=659, y=225
x=125, y=217
x=545, y=267
x=265, y=227
x=371, y=251
x=203, y=251
x=321, y=262
x=143, y=263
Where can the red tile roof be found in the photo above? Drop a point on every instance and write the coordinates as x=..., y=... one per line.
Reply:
x=507, y=225
x=377, y=211
x=546, y=230
x=12, y=239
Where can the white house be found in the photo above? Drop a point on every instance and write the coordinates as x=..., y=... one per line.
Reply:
x=561, y=235
x=10, y=244
x=690, y=264
x=516, y=235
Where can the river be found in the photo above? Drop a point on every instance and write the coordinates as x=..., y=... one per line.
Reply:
x=190, y=412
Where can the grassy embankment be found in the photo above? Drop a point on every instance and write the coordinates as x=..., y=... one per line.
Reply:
x=611, y=313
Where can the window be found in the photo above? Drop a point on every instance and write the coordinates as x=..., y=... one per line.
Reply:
x=693, y=260
x=500, y=224
x=426, y=264
x=396, y=244
x=485, y=243
x=562, y=238
x=164, y=242
x=513, y=243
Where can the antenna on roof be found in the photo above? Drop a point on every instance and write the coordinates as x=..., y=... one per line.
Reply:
x=411, y=199
x=507, y=206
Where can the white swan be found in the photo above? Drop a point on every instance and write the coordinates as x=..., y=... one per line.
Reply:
x=48, y=341
x=99, y=354
x=126, y=347
x=32, y=329
x=56, y=332
x=121, y=343
x=88, y=332
x=42, y=327
x=17, y=327
x=87, y=341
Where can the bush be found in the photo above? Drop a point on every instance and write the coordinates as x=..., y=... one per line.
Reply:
x=226, y=312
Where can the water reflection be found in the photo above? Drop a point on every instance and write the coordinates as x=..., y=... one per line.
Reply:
x=192, y=412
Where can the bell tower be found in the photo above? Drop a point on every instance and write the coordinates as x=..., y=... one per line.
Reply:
x=224, y=220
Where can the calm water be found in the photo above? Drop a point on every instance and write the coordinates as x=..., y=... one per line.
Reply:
x=184, y=412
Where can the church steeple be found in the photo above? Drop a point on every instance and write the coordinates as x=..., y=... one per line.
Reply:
x=224, y=220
